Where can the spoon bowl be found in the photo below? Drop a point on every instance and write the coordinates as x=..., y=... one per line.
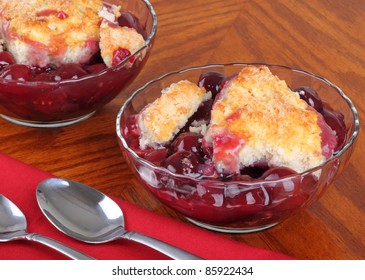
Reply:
x=11, y=218
x=13, y=226
x=88, y=215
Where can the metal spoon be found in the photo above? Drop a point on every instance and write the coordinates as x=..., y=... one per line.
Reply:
x=88, y=215
x=13, y=226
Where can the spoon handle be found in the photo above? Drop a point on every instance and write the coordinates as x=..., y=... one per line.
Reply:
x=167, y=249
x=64, y=249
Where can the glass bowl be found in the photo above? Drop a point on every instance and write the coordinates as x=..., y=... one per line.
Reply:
x=55, y=104
x=239, y=206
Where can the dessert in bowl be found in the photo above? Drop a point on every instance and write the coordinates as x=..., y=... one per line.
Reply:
x=61, y=61
x=237, y=147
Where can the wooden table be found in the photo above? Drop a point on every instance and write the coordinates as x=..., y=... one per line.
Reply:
x=323, y=37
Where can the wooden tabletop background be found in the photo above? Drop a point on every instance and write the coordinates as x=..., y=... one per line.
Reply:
x=321, y=36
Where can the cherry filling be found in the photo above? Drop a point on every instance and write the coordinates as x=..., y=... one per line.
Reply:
x=187, y=154
x=17, y=72
x=212, y=81
x=6, y=59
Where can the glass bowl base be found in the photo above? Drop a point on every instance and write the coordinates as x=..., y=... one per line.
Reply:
x=228, y=229
x=56, y=124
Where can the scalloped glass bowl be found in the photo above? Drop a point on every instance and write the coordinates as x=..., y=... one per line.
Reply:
x=239, y=206
x=57, y=104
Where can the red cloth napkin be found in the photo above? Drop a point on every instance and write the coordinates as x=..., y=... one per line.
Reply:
x=18, y=182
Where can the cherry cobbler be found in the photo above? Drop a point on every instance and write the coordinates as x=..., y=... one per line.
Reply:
x=248, y=126
x=46, y=40
x=62, y=60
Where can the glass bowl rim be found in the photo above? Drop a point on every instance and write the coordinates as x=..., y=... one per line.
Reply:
x=106, y=70
x=214, y=181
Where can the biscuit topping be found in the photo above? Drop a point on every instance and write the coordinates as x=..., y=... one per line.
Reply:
x=42, y=32
x=162, y=119
x=257, y=118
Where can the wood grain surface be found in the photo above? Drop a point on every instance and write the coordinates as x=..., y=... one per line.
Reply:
x=321, y=36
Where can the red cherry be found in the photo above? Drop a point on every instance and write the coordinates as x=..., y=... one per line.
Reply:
x=336, y=121
x=310, y=96
x=183, y=163
x=281, y=190
x=255, y=171
x=188, y=141
x=6, y=59
x=17, y=72
x=250, y=200
x=126, y=19
x=156, y=156
x=211, y=81
x=119, y=55
x=44, y=77
x=202, y=115
x=68, y=71
x=277, y=173
x=287, y=205
x=207, y=170
x=131, y=129
x=309, y=184
x=207, y=149
x=133, y=143
x=95, y=68
x=242, y=177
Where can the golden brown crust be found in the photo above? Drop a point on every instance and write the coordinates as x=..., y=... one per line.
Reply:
x=272, y=124
x=163, y=118
x=40, y=21
x=63, y=30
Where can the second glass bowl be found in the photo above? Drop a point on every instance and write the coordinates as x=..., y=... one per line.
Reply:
x=57, y=104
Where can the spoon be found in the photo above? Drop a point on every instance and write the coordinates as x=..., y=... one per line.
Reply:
x=13, y=226
x=88, y=215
